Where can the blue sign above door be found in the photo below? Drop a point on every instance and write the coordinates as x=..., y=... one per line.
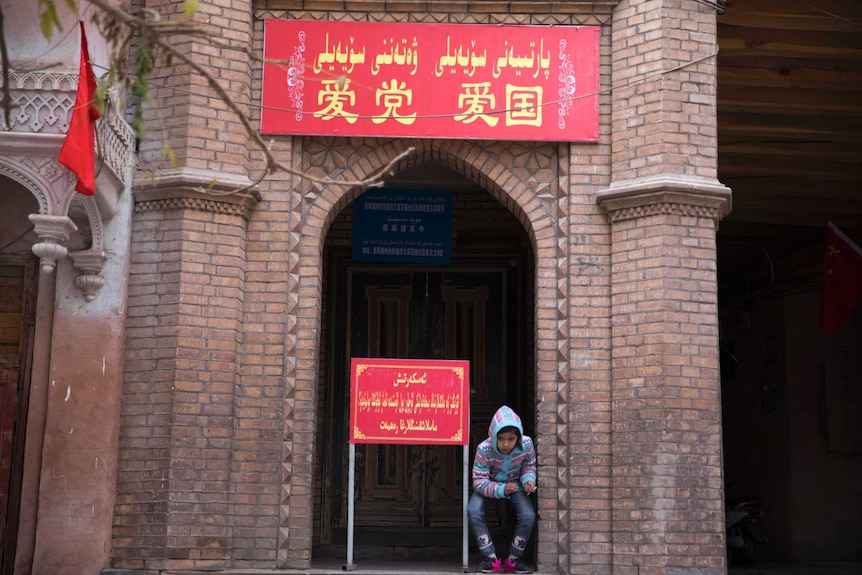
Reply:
x=409, y=226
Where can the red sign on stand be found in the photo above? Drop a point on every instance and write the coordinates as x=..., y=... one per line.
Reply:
x=409, y=401
x=419, y=80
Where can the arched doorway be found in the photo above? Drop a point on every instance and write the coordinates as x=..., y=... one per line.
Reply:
x=18, y=282
x=479, y=307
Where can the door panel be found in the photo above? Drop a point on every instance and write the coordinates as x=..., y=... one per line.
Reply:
x=380, y=308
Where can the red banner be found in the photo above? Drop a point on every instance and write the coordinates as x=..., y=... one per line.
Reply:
x=842, y=280
x=431, y=80
x=409, y=401
x=78, y=152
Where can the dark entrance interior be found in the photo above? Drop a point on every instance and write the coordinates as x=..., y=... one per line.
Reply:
x=408, y=502
x=17, y=310
x=789, y=146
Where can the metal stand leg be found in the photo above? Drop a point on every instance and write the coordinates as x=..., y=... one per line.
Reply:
x=466, y=530
x=351, y=476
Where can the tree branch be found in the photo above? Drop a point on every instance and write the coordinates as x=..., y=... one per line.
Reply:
x=6, y=101
x=272, y=164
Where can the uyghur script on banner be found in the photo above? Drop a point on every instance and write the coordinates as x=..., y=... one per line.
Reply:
x=392, y=79
x=409, y=401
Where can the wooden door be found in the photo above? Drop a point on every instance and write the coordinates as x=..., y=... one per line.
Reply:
x=452, y=313
x=17, y=304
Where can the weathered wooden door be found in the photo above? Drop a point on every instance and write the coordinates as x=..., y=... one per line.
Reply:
x=449, y=313
x=17, y=300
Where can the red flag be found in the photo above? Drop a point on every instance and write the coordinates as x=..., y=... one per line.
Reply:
x=79, y=150
x=842, y=280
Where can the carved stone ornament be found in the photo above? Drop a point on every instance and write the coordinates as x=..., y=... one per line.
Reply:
x=682, y=195
x=53, y=231
x=201, y=190
x=89, y=264
x=42, y=104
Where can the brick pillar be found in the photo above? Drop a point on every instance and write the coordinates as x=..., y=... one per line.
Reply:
x=203, y=133
x=175, y=490
x=667, y=493
x=184, y=332
x=664, y=204
x=664, y=77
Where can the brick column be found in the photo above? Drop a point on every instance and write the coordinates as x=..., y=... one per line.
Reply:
x=664, y=204
x=667, y=493
x=664, y=78
x=203, y=133
x=186, y=294
x=175, y=490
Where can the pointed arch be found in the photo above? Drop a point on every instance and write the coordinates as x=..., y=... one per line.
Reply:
x=508, y=171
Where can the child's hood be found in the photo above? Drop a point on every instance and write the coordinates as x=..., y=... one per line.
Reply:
x=504, y=417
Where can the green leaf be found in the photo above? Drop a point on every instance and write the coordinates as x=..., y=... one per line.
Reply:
x=48, y=19
x=139, y=90
x=138, y=125
x=167, y=152
x=100, y=95
x=191, y=7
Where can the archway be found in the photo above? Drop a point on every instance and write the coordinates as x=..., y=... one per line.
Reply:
x=479, y=307
x=18, y=288
x=528, y=180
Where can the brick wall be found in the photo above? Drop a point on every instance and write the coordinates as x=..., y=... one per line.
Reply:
x=624, y=323
x=663, y=204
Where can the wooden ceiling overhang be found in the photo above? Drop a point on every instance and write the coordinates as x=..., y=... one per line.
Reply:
x=789, y=133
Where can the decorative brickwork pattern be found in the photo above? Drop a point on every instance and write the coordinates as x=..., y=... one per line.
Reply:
x=197, y=204
x=578, y=12
x=665, y=208
x=301, y=347
x=513, y=173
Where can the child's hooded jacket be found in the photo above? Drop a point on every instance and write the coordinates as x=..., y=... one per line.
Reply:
x=493, y=469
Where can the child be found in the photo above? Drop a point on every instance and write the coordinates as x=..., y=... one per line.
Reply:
x=504, y=467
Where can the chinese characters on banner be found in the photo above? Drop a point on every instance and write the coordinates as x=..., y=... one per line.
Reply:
x=409, y=401
x=391, y=225
x=431, y=80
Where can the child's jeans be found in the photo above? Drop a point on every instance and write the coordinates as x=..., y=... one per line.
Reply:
x=526, y=519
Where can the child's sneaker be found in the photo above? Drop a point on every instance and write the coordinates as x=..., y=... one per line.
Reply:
x=486, y=565
x=517, y=566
